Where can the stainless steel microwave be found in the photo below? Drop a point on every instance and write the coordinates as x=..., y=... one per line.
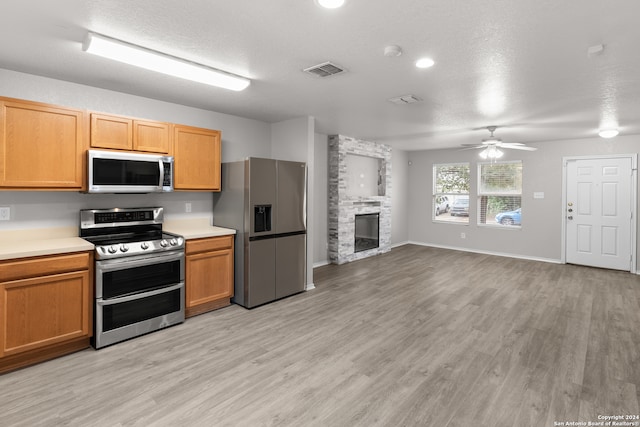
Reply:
x=125, y=172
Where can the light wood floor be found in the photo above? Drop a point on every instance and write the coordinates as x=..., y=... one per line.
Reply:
x=416, y=337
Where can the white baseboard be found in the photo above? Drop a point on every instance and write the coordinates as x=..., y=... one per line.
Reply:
x=310, y=286
x=502, y=254
x=321, y=263
x=395, y=245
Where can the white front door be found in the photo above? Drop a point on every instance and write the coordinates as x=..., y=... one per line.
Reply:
x=598, y=212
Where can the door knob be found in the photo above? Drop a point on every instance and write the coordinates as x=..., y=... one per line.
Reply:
x=570, y=210
x=569, y=217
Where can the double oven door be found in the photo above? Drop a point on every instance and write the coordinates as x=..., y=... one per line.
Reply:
x=138, y=294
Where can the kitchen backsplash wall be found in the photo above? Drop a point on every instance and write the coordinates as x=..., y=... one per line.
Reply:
x=40, y=209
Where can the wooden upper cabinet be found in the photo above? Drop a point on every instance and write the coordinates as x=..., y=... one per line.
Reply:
x=111, y=132
x=124, y=133
x=41, y=146
x=196, y=154
x=151, y=136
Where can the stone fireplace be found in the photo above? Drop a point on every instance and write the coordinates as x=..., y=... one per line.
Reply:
x=359, y=199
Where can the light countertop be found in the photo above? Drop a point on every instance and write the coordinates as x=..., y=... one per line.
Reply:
x=39, y=242
x=50, y=241
x=196, y=228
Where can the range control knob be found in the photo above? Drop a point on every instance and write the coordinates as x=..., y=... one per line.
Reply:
x=173, y=242
x=163, y=243
x=144, y=246
x=124, y=248
x=112, y=249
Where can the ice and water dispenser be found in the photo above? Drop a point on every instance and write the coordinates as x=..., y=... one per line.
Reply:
x=262, y=218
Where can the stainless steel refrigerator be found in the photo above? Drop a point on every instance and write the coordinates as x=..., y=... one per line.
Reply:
x=265, y=201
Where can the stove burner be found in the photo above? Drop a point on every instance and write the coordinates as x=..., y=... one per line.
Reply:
x=127, y=232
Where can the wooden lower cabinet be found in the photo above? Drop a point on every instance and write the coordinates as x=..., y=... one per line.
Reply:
x=209, y=274
x=47, y=308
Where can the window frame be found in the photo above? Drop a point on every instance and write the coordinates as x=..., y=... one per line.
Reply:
x=480, y=194
x=450, y=195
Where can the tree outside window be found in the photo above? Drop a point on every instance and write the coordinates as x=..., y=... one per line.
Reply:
x=451, y=192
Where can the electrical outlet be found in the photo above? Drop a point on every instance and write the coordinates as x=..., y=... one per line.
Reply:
x=5, y=213
x=463, y=235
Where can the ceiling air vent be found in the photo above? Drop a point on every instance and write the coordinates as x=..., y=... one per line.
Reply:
x=325, y=69
x=405, y=99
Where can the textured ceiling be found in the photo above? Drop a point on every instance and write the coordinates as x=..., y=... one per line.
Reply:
x=518, y=64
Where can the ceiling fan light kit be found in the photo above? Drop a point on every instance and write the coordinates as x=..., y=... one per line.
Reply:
x=127, y=53
x=491, y=147
x=491, y=152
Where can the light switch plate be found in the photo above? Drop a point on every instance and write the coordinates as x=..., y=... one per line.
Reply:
x=538, y=195
x=5, y=213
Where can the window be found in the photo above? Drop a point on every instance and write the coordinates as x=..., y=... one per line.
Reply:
x=451, y=193
x=500, y=193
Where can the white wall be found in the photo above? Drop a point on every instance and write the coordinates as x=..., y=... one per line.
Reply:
x=240, y=138
x=540, y=236
x=321, y=201
x=399, y=197
x=294, y=140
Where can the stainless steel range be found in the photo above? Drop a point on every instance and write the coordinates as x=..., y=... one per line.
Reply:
x=139, y=272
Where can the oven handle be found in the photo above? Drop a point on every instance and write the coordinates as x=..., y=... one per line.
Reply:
x=140, y=295
x=124, y=263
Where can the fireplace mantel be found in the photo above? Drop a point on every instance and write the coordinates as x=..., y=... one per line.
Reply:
x=344, y=205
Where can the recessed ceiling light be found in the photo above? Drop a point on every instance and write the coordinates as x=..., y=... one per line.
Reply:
x=608, y=133
x=425, y=63
x=330, y=4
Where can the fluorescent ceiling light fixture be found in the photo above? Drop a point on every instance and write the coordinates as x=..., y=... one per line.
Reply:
x=491, y=152
x=161, y=63
x=608, y=133
x=330, y=4
x=425, y=63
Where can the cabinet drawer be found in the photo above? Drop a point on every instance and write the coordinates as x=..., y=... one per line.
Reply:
x=209, y=244
x=40, y=266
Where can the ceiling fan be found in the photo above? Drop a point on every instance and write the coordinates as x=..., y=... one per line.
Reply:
x=491, y=146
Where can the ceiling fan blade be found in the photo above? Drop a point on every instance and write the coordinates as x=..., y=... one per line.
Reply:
x=511, y=143
x=519, y=147
x=471, y=147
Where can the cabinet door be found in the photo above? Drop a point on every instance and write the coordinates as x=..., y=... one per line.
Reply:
x=41, y=146
x=45, y=310
x=111, y=132
x=209, y=277
x=151, y=136
x=197, y=159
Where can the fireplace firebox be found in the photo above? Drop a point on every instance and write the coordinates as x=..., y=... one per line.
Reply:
x=367, y=235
